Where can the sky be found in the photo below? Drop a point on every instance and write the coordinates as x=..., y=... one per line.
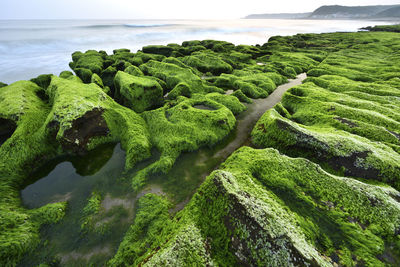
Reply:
x=162, y=9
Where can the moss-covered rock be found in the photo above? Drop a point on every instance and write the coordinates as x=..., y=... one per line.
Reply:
x=242, y=97
x=257, y=210
x=138, y=93
x=43, y=80
x=207, y=62
x=83, y=116
x=66, y=74
x=260, y=207
x=108, y=76
x=90, y=60
x=19, y=228
x=97, y=80
x=158, y=49
x=348, y=121
x=185, y=125
x=133, y=70
x=84, y=74
x=174, y=75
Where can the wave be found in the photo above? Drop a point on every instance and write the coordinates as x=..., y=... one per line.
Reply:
x=103, y=26
x=95, y=26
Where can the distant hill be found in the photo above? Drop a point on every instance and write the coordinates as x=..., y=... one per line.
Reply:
x=339, y=12
x=352, y=12
x=279, y=16
x=393, y=12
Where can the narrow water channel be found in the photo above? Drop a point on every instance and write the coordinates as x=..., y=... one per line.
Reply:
x=73, y=179
x=192, y=168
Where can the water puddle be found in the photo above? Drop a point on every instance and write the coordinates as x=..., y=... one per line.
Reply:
x=203, y=107
x=74, y=179
x=68, y=178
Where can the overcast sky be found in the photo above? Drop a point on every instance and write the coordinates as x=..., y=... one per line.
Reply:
x=161, y=9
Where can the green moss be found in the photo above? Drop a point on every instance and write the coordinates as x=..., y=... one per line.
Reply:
x=3, y=85
x=158, y=49
x=90, y=210
x=173, y=75
x=360, y=156
x=65, y=74
x=228, y=101
x=207, y=62
x=42, y=80
x=349, y=120
x=97, y=80
x=133, y=70
x=108, y=76
x=72, y=100
x=242, y=97
x=258, y=210
x=383, y=28
x=252, y=85
x=84, y=74
x=137, y=93
x=19, y=228
x=125, y=55
x=261, y=208
x=90, y=60
x=185, y=125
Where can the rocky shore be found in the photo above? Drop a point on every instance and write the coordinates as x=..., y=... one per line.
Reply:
x=318, y=184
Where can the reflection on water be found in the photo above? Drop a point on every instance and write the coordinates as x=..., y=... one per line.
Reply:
x=67, y=176
x=73, y=179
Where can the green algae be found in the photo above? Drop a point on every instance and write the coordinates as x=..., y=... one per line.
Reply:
x=179, y=126
x=383, y=28
x=261, y=208
x=258, y=210
x=99, y=207
x=177, y=78
x=19, y=227
x=345, y=115
x=158, y=49
x=92, y=208
x=90, y=60
x=41, y=135
x=137, y=93
x=207, y=62
x=107, y=120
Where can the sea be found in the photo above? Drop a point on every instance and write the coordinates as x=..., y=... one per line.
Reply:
x=29, y=48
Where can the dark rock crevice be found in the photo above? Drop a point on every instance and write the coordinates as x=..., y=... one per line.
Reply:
x=7, y=128
x=91, y=124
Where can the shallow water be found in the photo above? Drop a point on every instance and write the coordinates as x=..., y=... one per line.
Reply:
x=69, y=177
x=30, y=48
x=73, y=179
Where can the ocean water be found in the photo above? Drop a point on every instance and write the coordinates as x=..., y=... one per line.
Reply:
x=30, y=48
